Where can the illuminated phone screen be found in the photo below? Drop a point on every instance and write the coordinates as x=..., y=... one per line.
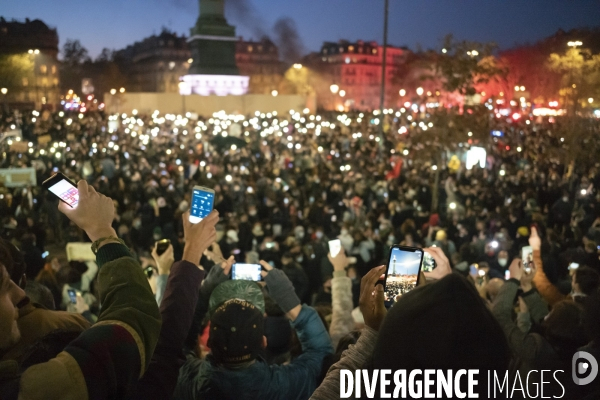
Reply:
x=202, y=204
x=402, y=273
x=66, y=192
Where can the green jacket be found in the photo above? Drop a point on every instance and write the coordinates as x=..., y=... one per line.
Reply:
x=106, y=360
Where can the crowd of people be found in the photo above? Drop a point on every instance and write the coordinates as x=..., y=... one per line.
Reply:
x=284, y=186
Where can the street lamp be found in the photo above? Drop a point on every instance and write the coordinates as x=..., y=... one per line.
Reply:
x=420, y=91
x=274, y=93
x=342, y=93
x=590, y=100
x=4, y=91
x=298, y=66
x=334, y=88
x=122, y=90
x=575, y=43
x=113, y=91
x=402, y=92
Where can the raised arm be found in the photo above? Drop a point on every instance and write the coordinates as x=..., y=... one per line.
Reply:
x=177, y=311
x=106, y=360
x=373, y=309
x=303, y=371
x=341, y=299
x=547, y=290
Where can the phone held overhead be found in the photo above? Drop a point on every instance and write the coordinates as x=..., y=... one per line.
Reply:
x=402, y=272
x=63, y=188
x=203, y=202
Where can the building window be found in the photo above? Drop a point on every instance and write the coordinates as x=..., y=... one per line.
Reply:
x=374, y=51
x=351, y=49
x=43, y=68
x=54, y=70
x=171, y=65
x=25, y=81
x=341, y=49
x=250, y=49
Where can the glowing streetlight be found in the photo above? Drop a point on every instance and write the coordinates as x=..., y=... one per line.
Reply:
x=334, y=88
x=452, y=206
x=342, y=93
x=474, y=53
x=444, y=51
x=402, y=92
x=522, y=88
x=274, y=93
x=590, y=100
x=517, y=89
x=420, y=91
x=190, y=60
x=297, y=66
x=113, y=91
x=575, y=43
x=4, y=90
x=122, y=90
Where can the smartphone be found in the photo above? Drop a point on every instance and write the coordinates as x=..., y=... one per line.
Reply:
x=63, y=188
x=402, y=273
x=334, y=247
x=270, y=245
x=506, y=275
x=428, y=264
x=246, y=272
x=162, y=246
x=45, y=254
x=203, y=200
x=527, y=257
x=573, y=265
x=474, y=270
x=72, y=296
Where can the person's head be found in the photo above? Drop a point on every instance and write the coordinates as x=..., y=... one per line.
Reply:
x=287, y=258
x=13, y=261
x=563, y=326
x=503, y=258
x=10, y=296
x=236, y=332
x=40, y=294
x=443, y=325
x=440, y=236
x=585, y=280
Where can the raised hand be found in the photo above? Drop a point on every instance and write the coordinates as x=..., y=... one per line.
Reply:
x=441, y=261
x=371, y=300
x=94, y=212
x=165, y=260
x=198, y=237
x=534, y=239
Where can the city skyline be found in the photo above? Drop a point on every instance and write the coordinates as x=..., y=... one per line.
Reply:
x=115, y=23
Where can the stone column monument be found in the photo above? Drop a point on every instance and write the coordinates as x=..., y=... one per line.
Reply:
x=212, y=44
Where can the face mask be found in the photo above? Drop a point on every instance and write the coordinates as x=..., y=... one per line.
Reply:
x=502, y=262
x=319, y=234
x=299, y=259
x=257, y=231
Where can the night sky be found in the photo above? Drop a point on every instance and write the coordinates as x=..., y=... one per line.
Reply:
x=117, y=23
